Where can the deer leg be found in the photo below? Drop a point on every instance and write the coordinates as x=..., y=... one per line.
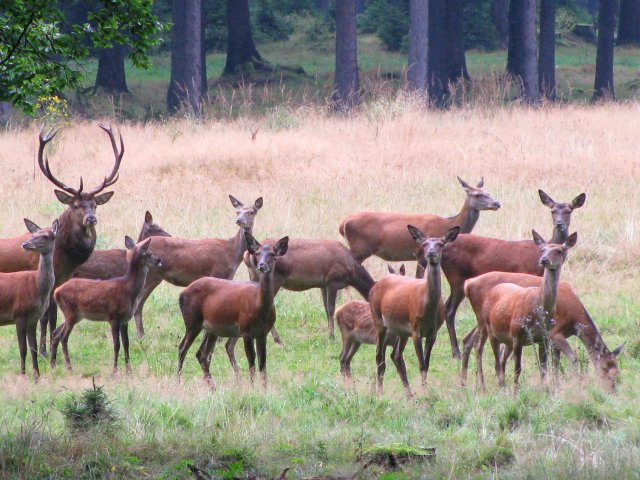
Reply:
x=33, y=348
x=230, y=347
x=347, y=343
x=479, y=349
x=495, y=347
x=561, y=345
x=49, y=317
x=149, y=286
x=329, y=294
x=276, y=336
x=124, y=335
x=381, y=346
x=250, y=351
x=397, y=356
x=204, y=354
x=65, y=331
x=189, y=336
x=429, y=342
x=21, y=331
x=115, y=334
x=467, y=344
x=517, y=350
x=542, y=354
x=261, y=347
x=417, y=343
x=347, y=362
x=451, y=307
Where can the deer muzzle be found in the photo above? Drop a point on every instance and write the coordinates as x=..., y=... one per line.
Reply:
x=90, y=220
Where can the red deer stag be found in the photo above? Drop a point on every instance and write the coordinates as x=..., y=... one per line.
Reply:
x=110, y=301
x=385, y=233
x=472, y=255
x=227, y=308
x=24, y=296
x=409, y=307
x=76, y=237
x=107, y=264
x=518, y=316
x=356, y=327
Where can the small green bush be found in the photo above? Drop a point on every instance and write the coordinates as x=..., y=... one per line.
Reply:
x=92, y=408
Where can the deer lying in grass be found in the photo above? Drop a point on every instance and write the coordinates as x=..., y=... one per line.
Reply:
x=356, y=327
x=107, y=264
x=385, y=233
x=408, y=307
x=517, y=316
x=472, y=255
x=110, y=301
x=24, y=296
x=226, y=308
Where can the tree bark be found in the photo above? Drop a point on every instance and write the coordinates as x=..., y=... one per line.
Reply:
x=629, y=26
x=500, y=15
x=347, y=83
x=242, y=53
x=185, y=87
x=515, y=56
x=530, y=88
x=603, y=87
x=547, y=57
x=455, y=62
x=436, y=78
x=418, y=44
x=111, y=76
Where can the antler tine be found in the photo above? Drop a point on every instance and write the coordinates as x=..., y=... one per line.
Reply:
x=43, y=161
x=114, y=175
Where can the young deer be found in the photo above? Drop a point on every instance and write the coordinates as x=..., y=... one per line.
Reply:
x=473, y=255
x=385, y=234
x=24, y=296
x=186, y=260
x=517, y=316
x=408, y=307
x=226, y=308
x=107, y=264
x=110, y=301
x=356, y=327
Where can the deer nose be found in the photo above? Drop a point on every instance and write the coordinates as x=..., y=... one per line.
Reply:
x=544, y=261
x=26, y=245
x=90, y=220
x=262, y=267
x=496, y=205
x=560, y=223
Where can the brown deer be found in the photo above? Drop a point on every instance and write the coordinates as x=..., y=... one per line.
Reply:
x=110, y=301
x=107, y=264
x=186, y=260
x=76, y=237
x=356, y=327
x=473, y=255
x=226, y=308
x=24, y=296
x=385, y=233
x=518, y=316
x=408, y=307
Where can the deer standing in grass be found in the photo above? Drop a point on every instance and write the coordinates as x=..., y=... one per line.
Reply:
x=410, y=308
x=385, y=233
x=356, y=327
x=227, y=308
x=473, y=255
x=110, y=301
x=24, y=296
x=76, y=236
x=518, y=316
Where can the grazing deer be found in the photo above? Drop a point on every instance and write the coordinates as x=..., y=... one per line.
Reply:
x=517, y=316
x=356, y=327
x=76, y=237
x=186, y=260
x=473, y=255
x=110, y=301
x=408, y=307
x=227, y=308
x=107, y=264
x=385, y=233
x=24, y=296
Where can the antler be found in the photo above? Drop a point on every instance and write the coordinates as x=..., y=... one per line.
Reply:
x=43, y=162
x=113, y=176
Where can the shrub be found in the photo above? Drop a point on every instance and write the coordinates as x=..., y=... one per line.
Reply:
x=92, y=408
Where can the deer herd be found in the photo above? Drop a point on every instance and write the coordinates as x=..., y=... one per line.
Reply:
x=514, y=287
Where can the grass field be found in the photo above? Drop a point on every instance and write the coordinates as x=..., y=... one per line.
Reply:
x=312, y=170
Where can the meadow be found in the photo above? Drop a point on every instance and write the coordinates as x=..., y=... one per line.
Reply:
x=313, y=169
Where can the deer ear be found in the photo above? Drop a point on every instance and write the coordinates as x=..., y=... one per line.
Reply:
x=451, y=235
x=144, y=245
x=54, y=227
x=403, y=270
x=252, y=244
x=579, y=200
x=148, y=218
x=235, y=202
x=539, y=241
x=546, y=200
x=32, y=227
x=481, y=182
x=128, y=242
x=571, y=241
x=63, y=197
x=416, y=234
x=618, y=350
x=390, y=269
x=465, y=185
x=282, y=246
x=103, y=198
x=258, y=204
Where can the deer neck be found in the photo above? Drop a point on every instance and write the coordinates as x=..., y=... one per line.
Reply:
x=267, y=294
x=73, y=246
x=434, y=290
x=549, y=292
x=135, y=278
x=559, y=236
x=45, y=278
x=239, y=243
x=588, y=333
x=466, y=218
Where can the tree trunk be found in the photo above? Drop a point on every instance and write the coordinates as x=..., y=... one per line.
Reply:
x=629, y=26
x=346, y=93
x=436, y=78
x=111, y=76
x=322, y=5
x=603, y=88
x=500, y=15
x=418, y=44
x=242, y=54
x=547, y=58
x=5, y=113
x=515, y=55
x=455, y=62
x=185, y=87
x=530, y=88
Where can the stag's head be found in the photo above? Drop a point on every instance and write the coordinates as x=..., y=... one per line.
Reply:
x=245, y=215
x=264, y=256
x=82, y=205
x=151, y=229
x=561, y=212
x=553, y=254
x=431, y=248
x=42, y=239
x=478, y=198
